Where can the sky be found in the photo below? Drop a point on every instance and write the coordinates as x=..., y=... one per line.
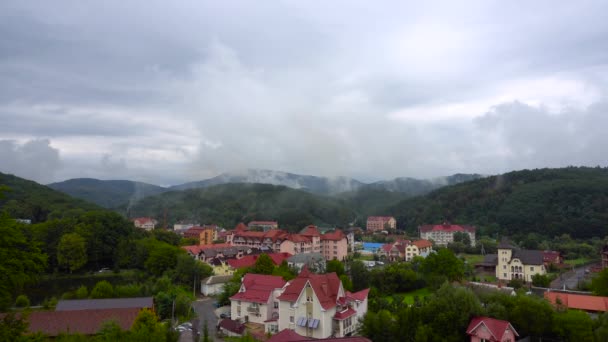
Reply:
x=168, y=92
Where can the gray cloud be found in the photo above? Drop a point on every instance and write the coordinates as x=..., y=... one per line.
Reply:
x=167, y=93
x=35, y=159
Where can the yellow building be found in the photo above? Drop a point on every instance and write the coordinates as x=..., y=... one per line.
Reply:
x=515, y=263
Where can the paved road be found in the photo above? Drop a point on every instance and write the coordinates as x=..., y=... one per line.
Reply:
x=570, y=279
x=206, y=312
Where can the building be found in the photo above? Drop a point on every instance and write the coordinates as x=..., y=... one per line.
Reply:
x=405, y=250
x=420, y=248
x=380, y=223
x=314, y=261
x=145, y=223
x=552, y=258
x=214, y=284
x=443, y=234
x=514, y=263
x=205, y=234
x=257, y=302
x=288, y=335
x=317, y=306
x=183, y=225
x=334, y=245
x=250, y=260
x=263, y=225
x=588, y=303
x=483, y=329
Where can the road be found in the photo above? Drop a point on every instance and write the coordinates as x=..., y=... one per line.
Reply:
x=570, y=279
x=206, y=313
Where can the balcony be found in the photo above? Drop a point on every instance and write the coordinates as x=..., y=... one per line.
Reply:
x=253, y=309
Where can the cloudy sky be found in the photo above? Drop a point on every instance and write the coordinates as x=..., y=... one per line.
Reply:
x=167, y=92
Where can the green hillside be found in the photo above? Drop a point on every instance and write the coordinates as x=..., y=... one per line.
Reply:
x=29, y=200
x=549, y=202
x=107, y=193
x=229, y=204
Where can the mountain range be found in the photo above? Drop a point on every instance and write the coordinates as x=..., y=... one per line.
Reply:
x=114, y=193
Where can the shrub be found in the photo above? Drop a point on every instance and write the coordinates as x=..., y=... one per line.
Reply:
x=82, y=292
x=22, y=301
x=102, y=289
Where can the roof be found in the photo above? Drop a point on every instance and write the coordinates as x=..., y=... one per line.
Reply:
x=360, y=295
x=578, y=301
x=549, y=256
x=310, y=231
x=287, y=335
x=505, y=243
x=422, y=244
x=241, y=227
x=86, y=322
x=218, y=279
x=257, y=288
x=111, y=303
x=336, y=235
x=496, y=327
x=263, y=223
x=447, y=227
x=489, y=260
x=529, y=257
x=380, y=218
x=326, y=287
x=344, y=314
x=249, y=260
x=232, y=326
x=306, y=257
x=387, y=247
x=143, y=220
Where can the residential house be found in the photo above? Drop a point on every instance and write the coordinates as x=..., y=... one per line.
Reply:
x=145, y=223
x=514, y=263
x=443, y=234
x=420, y=248
x=314, y=261
x=317, y=306
x=205, y=234
x=482, y=329
x=552, y=258
x=222, y=251
x=183, y=225
x=380, y=223
x=405, y=250
x=214, y=284
x=588, y=303
x=263, y=225
x=488, y=264
x=257, y=302
x=231, y=328
x=250, y=260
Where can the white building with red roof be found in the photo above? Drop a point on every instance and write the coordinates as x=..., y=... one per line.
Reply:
x=491, y=329
x=317, y=306
x=145, y=223
x=256, y=300
x=380, y=223
x=443, y=234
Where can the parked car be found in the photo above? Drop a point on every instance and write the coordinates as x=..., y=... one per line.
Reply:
x=226, y=315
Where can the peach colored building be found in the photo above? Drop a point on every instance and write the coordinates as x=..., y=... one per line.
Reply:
x=380, y=223
x=145, y=223
x=205, y=235
x=334, y=245
x=490, y=329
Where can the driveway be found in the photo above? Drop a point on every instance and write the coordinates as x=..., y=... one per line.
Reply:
x=570, y=279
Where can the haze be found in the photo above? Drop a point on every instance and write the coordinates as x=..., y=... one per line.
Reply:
x=171, y=92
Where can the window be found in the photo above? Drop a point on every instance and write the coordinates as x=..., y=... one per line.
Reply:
x=276, y=305
x=290, y=319
x=504, y=267
x=504, y=275
x=532, y=268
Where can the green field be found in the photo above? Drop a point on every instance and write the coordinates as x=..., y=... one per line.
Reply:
x=421, y=293
x=580, y=261
x=472, y=259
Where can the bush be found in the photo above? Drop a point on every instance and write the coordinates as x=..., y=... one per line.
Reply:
x=82, y=292
x=22, y=301
x=516, y=283
x=102, y=289
x=49, y=304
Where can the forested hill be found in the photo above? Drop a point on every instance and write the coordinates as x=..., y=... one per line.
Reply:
x=549, y=202
x=29, y=200
x=107, y=193
x=229, y=204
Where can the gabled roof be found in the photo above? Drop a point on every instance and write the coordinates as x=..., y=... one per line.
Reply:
x=249, y=260
x=232, y=326
x=528, y=256
x=241, y=227
x=287, y=335
x=422, y=244
x=143, y=220
x=336, y=235
x=387, y=247
x=111, y=303
x=505, y=243
x=86, y=322
x=257, y=288
x=310, y=231
x=360, y=295
x=326, y=287
x=578, y=301
x=446, y=227
x=496, y=327
x=218, y=279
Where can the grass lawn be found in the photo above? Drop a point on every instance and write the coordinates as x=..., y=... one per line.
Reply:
x=579, y=261
x=421, y=293
x=472, y=259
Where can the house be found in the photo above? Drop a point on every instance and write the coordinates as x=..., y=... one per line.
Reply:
x=514, y=263
x=145, y=223
x=552, y=258
x=214, y=284
x=183, y=225
x=314, y=261
x=483, y=329
x=256, y=301
x=205, y=234
x=418, y=248
x=489, y=263
x=249, y=260
x=443, y=234
x=317, y=306
x=231, y=328
x=263, y=225
x=84, y=322
x=109, y=303
x=588, y=303
x=380, y=223
x=334, y=245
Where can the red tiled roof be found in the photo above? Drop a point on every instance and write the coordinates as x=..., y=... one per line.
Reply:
x=249, y=260
x=379, y=218
x=241, y=227
x=142, y=220
x=387, y=247
x=263, y=223
x=422, y=243
x=195, y=249
x=446, y=227
x=577, y=301
x=310, y=231
x=258, y=287
x=325, y=286
x=232, y=326
x=86, y=322
x=336, y=235
x=496, y=327
x=299, y=238
x=286, y=335
x=550, y=256
x=345, y=314
x=360, y=296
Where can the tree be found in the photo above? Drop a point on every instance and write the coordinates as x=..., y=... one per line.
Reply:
x=335, y=266
x=162, y=257
x=12, y=327
x=263, y=265
x=346, y=282
x=463, y=238
x=102, y=289
x=359, y=275
x=21, y=260
x=541, y=280
x=532, y=315
x=573, y=325
x=147, y=328
x=599, y=284
x=205, y=332
x=71, y=252
x=443, y=263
